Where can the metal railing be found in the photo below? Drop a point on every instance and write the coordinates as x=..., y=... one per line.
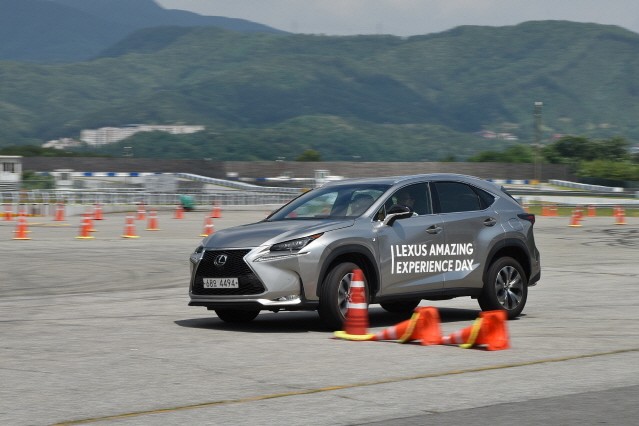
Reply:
x=223, y=198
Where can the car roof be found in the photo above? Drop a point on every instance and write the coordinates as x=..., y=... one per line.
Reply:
x=407, y=179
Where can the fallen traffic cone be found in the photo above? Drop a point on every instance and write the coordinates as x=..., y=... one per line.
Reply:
x=209, y=229
x=575, y=218
x=217, y=211
x=152, y=224
x=129, y=228
x=179, y=212
x=21, y=230
x=423, y=325
x=59, y=212
x=620, y=216
x=356, y=324
x=141, y=212
x=85, y=230
x=488, y=330
x=97, y=212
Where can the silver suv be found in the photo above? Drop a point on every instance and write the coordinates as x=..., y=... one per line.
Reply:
x=433, y=236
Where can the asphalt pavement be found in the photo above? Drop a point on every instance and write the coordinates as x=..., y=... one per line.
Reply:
x=98, y=331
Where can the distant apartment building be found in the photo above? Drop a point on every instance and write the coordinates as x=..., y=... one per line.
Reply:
x=107, y=135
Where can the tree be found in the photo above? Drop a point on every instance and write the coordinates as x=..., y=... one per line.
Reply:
x=309, y=155
x=513, y=154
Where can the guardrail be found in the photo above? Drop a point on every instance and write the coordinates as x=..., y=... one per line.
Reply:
x=585, y=187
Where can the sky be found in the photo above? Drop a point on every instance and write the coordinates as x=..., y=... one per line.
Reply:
x=409, y=17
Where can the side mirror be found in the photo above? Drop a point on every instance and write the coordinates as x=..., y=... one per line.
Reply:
x=397, y=212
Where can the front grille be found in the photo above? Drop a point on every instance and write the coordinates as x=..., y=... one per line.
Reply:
x=234, y=267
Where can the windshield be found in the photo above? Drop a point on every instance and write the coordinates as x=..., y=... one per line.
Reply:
x=333, y=202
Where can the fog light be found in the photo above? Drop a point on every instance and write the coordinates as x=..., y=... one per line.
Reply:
x=288, y=298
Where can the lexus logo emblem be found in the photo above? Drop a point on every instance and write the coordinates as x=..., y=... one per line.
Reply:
x=220, y=260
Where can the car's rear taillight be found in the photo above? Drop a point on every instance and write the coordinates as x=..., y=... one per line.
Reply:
x=527, y=216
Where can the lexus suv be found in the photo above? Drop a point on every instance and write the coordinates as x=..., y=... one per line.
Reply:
x=431, y=236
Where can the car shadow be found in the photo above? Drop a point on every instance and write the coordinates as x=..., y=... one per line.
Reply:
x=304, y=321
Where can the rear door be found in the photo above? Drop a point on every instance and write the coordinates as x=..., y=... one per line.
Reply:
x=470, y=225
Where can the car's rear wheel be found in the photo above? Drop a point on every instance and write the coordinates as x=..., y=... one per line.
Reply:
x=236, y=315
x=403, y=307
x=506, y=287
x=334, y=294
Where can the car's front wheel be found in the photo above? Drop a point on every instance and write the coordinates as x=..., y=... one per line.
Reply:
x=335, y=293
x=506, y=287
x=236, y=315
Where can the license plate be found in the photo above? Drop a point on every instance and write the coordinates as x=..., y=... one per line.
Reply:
x=221, y=283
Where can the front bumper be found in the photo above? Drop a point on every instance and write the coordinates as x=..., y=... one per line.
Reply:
x=264, y=282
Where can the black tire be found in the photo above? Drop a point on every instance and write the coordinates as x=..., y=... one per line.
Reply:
x=403, y=307
x=505, y=287
x=236, y=315
x=334, y=295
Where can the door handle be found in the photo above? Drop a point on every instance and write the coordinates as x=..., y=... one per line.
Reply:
x=490, y=221
x=434, y=229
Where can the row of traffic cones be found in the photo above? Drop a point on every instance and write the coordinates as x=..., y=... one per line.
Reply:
x=86, y=227
x=489, y=329
x=60, y=211
x=577, y=215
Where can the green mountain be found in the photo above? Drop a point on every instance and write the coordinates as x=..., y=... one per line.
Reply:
x=377, y=98
x=48, y=31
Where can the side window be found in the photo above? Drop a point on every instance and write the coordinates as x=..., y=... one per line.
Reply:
x=416, y=197
x=487, y=199
x=457, y=197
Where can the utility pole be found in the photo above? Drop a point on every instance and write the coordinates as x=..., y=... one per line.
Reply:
x=537, y=146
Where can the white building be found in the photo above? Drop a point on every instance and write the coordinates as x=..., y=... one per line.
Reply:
x=107, y=135
x=62, y=143
x=10, y=172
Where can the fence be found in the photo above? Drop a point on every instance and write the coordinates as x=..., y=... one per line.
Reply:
x=41, y=202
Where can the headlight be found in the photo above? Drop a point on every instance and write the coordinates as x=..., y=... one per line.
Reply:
x=197, y=254
x=295, y=245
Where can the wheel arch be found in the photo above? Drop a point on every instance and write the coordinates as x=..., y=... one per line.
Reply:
x=352, y=253
x=509, y=248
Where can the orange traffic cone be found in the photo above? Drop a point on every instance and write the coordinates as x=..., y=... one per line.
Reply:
x=129, y=228
x=59, y=212
x=209, y=229
x=553, y=210
x=356, y=324
x=216, y=213
x=488, y=330
x=141, y=212
x=97, y=212
x=620, y=216
x=21, y=230
x=85, y=230
x=423, y=325
x=575, y=218
x=88, y=217
x=152, y=224
x=179, y=212
x=592, y=211
x=8, y=212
